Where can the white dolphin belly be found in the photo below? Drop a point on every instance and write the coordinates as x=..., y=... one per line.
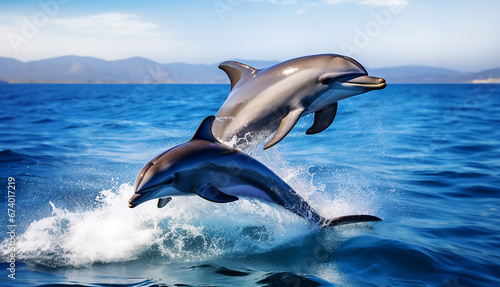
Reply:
x=247, y=191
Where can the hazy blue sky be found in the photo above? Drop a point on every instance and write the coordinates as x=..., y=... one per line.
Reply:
x=456, y=34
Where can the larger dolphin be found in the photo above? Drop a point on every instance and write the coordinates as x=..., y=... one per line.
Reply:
x=205, y=167
x=273, y=99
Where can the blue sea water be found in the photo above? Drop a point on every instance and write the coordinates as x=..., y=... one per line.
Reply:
x=424, y=158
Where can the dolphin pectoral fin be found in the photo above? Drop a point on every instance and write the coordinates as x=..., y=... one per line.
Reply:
x=285, y=127
x=347, y=219
x=237, y=71
x=212, y=193
x=163, y=201
x=323, y=119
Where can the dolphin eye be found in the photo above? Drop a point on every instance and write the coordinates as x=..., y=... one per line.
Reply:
x=328, y=78
x=170, y=180
x=325, y=81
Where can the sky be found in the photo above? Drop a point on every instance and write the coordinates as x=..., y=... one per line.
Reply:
x=459, y=34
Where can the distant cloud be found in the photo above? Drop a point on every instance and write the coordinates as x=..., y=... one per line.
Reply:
x=371, y=2
x=284, y=2
x=385, y=2
x=116, y=23
x=300, y=11
x=400, y=3
x=288, y=2
x=109, y=36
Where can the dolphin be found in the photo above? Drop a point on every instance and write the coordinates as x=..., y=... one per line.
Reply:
x=273, y=99
x=205, y=167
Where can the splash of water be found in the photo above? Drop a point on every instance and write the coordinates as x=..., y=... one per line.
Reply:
x=188, y=229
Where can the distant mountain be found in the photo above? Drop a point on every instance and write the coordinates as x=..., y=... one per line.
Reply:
x=76, y=69
x=488, y=76
x=200, y=73
x=418, y=74
x=196, y=73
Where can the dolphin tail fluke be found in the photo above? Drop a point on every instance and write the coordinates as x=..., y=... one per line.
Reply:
x=349, y=219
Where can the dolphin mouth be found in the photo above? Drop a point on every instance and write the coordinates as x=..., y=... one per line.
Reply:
x=142, y=197
x=366, y=82
x=137, y=199
x=132, y=202
x=153, y=192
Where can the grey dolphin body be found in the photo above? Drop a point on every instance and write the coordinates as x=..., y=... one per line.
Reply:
x=205, y=167
x=273, y=99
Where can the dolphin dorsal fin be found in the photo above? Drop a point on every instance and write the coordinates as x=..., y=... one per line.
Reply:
x=237, y=71
x=204, y=131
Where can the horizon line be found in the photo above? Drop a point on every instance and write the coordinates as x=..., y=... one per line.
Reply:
x=250, y=60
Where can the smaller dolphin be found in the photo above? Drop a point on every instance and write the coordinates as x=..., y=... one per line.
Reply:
x=205, y=167
x=273, y=99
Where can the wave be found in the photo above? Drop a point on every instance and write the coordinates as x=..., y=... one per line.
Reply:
x=184, y=231
x=200, y=275
x=189, y=229
x=11, y=156
x=14, y=160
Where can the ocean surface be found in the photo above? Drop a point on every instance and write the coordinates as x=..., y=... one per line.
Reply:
x=424, y=158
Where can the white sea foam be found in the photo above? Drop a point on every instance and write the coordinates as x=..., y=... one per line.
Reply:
x=188, y=228
x=108, y=233
x=353, y=193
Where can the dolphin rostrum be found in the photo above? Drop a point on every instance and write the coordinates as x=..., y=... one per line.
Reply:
x=207, y=168
x=273, y=99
